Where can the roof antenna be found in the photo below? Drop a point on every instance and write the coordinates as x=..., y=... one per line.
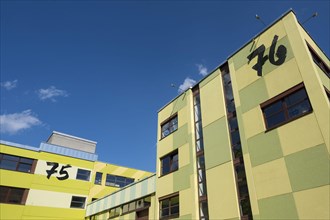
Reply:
x=313, y=16
x=258, y=18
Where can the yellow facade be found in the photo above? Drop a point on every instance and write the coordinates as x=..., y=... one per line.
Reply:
x=49, y=196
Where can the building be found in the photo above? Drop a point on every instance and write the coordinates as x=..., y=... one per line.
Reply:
x=56, y=180
x=249, y=141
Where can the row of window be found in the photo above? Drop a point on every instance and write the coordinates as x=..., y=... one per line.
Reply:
x=113, y=180
x=14, y=195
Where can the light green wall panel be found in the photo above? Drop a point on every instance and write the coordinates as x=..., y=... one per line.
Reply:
x=181, y=178
x=180, y=137
x=253, y=94
x=216, y=143
x=308, y=168
x=264, y=147
x=209, y=78
x=278, y=207
x=180, y=102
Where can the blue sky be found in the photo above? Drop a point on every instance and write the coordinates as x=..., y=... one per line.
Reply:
x=101, y=70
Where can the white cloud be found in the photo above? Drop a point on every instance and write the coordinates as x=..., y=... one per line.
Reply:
x=9, y=85
x=51, y=93
x=187, y=83
x=13, y=123
x=202, y=70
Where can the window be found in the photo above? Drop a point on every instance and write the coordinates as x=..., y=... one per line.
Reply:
x=286, y=107
x=169, y=126
x=98, y=178
x=13, y=195
x=318, y=61
x=169, y=207
x=11, y=162
x=118, y=181
x=169, y=163
x=328, y=93
x=114, y=212
x=78, y=202
x=83, y=174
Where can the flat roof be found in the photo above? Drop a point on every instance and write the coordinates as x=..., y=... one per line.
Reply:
x=71, y=136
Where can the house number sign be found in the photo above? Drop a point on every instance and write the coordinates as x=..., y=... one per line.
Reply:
x=62, y=174
x=280, y=55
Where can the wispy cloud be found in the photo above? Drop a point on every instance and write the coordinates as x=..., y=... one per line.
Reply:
x=202, y=70
x=13, y=123
x=187, y=83
x=51, y=93
x=9, y=85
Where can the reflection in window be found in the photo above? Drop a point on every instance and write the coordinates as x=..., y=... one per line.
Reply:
x=118, y=181
x=169, y=163
x=12, y=195
x=98, y=178
x=169, y=207
x=83, y=174
x=169, y=126
x=286, y=107
x=11, y=162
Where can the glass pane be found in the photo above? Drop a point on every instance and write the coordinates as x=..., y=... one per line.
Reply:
x=3, y=193
x=166, y=165
x=201, y=175
x=202, y=189
x=226, y=78
x=197, y=113
x=196, y=99
x=204, y=209
x=233, y=123
x=26, y=160
x=235, y=138
x=275, y=119
x=296, y=97
x=8, y=164
x=299, y=109
x=129, y=180
x=199, y=145
x=98, y=178
x=231, y=107
x=245, y=206
x=175, y=210
x=165, y=203
x=228, y=92
x=273, y=108
x=174, y=165
x=199, y=130
x=200, y=162
x=174, y=200
x=16, y=195
x=9, y=157
x=24, y=167
x=165, y=212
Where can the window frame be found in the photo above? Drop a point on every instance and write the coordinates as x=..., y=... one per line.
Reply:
x=98, y=181
x=10, y=194
x=168, y=121
x=19, y=162
x=284, y=108
x=171, y=156
x=78, y=202
x=115, y=183
x=170, y=207
x=318, y=60
x=79, y=174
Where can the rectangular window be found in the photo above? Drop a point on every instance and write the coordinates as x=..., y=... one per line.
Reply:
x=114, y=212
x=169, y=126
x=169, y=207
x=169, y=163
x=22, y=164
x=13, y=195
x=318, y=61
x=83, y=174
x=286, y=107
x=118, y=181
x=78, y=202
x=98, y=178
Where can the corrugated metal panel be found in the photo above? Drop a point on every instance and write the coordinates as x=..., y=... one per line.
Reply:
x=67, y=152
x=133, y=191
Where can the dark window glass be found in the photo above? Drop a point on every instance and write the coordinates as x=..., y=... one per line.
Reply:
x=11, y=195
x=203, y=209
x=318, y=61
x=78, y=202
x=117, y=181
x=169, y=207
x=11, y=162
x=98, y=178
x=170, y=126
x=83, y=174
x=169, y=163
x=287, y=108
